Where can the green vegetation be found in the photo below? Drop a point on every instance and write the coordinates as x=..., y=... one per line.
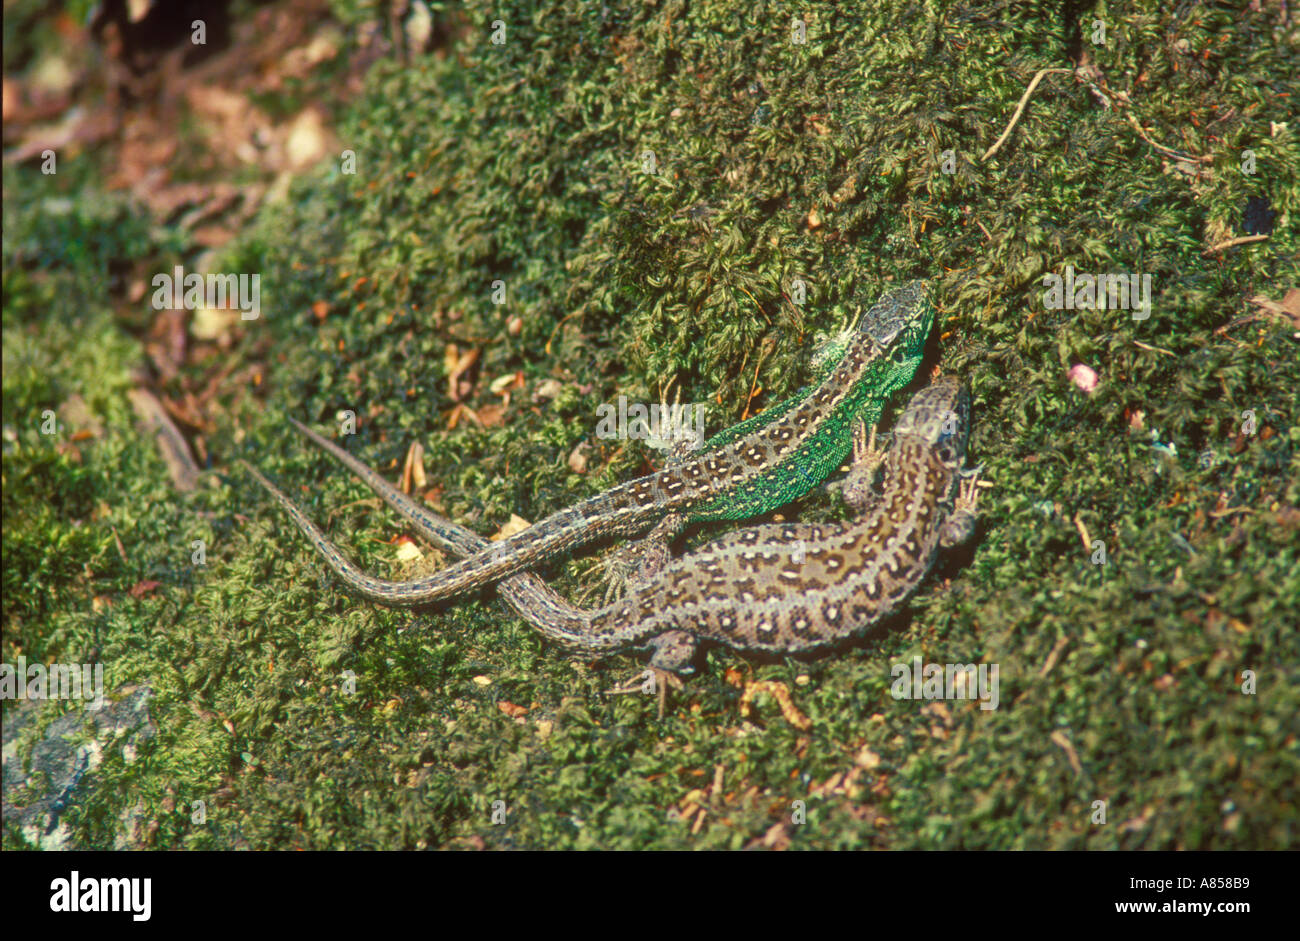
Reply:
x=821, y=161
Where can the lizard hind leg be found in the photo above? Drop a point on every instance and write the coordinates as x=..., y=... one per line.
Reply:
x=674, y=652
x=639, y=561
x=674, y=432
x=673, y=658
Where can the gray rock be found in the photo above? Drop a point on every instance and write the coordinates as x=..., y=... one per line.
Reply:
x=50, y=774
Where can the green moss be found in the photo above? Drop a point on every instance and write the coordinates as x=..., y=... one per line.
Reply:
x=524, y=163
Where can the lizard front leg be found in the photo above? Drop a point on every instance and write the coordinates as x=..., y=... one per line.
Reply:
x=858, y=491
x=640, y=560
x=961, y=523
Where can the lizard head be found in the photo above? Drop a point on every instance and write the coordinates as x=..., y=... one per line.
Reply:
x=938, y=417
x=898, y=323
x=881, y=354
x=892, y=332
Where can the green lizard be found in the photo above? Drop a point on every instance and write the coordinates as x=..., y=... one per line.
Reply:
x=750, y=468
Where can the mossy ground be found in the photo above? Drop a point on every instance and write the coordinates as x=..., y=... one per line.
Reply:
x=523, y=162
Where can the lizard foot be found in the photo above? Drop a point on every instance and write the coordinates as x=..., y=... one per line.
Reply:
x=867, y=458
x=865, y=450
x=674, y=652
x=674, y=432
x=640, y=561
x=617, y=571
x=648, y=681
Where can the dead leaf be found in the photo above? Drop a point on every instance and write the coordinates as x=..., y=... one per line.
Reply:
x=462, y=411
x=547, y=389
x=503, y=385
x=214, y=323
x=1062, y=741
x=78, y=415
x=306, y=140
x=458, y=365
x=407, y=550
x=413, y=477
x=517, y=524
x=781, y=693
x=777, y=836
x=491, y=415
x=142, y=588
x=513, y=711
x=78, y=127
x=299, y=61
x=867, y=759
x=1289, y=307
x=578, y=459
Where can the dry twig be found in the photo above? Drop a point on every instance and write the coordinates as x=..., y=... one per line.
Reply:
x=1020, y=108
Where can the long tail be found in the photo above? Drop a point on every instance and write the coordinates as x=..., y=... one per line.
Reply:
x=478, y=568
x=534, y=601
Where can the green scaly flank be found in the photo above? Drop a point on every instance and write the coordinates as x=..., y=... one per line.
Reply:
x=818, y=457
